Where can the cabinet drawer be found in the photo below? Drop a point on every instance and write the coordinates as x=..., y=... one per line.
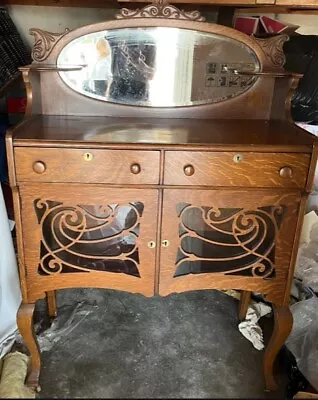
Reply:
x=87, y=165
x=244, y=169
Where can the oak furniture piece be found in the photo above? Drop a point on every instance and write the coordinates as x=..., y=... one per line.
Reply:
x=157, y=156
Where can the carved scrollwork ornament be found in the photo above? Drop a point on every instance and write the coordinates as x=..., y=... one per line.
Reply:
x=160, y=9
x=231, y=241
x=44, y=43
x=85, y=238
x=273, y=49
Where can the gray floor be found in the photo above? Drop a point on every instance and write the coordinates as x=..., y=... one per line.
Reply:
x=121, y=345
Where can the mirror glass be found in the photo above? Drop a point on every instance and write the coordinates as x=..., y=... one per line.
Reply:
x=158, y=66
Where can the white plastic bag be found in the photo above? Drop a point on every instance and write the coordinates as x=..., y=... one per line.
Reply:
x=10, y=295
x=307, y=260
x=302, y=341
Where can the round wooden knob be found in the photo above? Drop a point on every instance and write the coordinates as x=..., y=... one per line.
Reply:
x=135, y=169
x=39, y=167
x=188, y=170
x=286, y=172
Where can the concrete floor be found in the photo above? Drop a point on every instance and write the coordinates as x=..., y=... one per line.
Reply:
x=120, y=345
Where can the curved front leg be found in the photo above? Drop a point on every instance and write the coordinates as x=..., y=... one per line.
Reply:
x=25, y=325
x=51, y=303
x=245, y=300
x=283, y=322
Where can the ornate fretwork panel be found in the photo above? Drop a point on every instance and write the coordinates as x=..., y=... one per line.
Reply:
x=232, y=241
x=83, y=238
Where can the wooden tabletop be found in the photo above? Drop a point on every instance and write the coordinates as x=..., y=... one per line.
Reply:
x=253, y=135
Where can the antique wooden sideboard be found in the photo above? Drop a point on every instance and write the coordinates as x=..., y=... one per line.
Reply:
x=158, y=156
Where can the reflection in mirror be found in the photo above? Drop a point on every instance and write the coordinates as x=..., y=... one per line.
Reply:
x=159, y=67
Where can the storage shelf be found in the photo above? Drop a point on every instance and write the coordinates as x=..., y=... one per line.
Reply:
x=51, y=67
x=284, y=6
x=268, y=74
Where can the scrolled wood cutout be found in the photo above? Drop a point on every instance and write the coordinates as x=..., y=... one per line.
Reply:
x=273, y=49
x=82, y=238
x=160, y=9
x=232, y=241
x=44, y=43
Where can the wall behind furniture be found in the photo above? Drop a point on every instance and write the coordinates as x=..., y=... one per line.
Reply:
x=55, y=19
x=308, y=23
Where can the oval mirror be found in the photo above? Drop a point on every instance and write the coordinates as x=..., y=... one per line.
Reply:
x=158, y=66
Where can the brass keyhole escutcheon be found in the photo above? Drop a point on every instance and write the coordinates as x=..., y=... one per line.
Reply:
x=238, y=158
x=151, y=244
x=165, y=243
x=88, y=156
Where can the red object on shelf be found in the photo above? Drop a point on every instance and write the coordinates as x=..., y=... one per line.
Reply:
x=248, y=25
x=263, y=24
x=16, y=105
x=274, y=26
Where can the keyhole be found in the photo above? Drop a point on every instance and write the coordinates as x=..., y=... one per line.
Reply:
x=151, y=244
x=88, y=156
x=165, y=243
x=238, y=158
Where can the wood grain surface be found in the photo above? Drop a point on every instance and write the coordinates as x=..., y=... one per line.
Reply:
x=283, y=323
x=222, y=169
x=273, y=288
x=244, y=302
x=70, y=165
x=138, y=133
x=26, y=328
x=71, y=195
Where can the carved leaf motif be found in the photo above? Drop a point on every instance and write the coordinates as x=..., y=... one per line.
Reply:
x=160, y=9
x=273, y=49
x=44, y=43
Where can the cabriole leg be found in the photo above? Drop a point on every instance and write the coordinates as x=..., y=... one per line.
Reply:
x=51, y=303
x=243, y=304
x=25, y=325
x=283, y=322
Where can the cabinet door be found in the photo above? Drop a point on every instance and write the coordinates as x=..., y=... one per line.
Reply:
x=227, y=239
x=88, y=236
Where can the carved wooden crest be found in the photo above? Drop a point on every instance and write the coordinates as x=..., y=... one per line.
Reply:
x=44, y=43
x=160, y=9
x=273, y=49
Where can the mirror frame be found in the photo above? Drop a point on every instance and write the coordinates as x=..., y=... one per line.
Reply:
x=200, y=94
x=49, y=45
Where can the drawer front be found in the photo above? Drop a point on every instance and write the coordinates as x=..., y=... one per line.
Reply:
x=87, y=166
x=244, y=169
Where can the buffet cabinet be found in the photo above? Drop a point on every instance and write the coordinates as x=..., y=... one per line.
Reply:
x=227, y=215
x=158, y=166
